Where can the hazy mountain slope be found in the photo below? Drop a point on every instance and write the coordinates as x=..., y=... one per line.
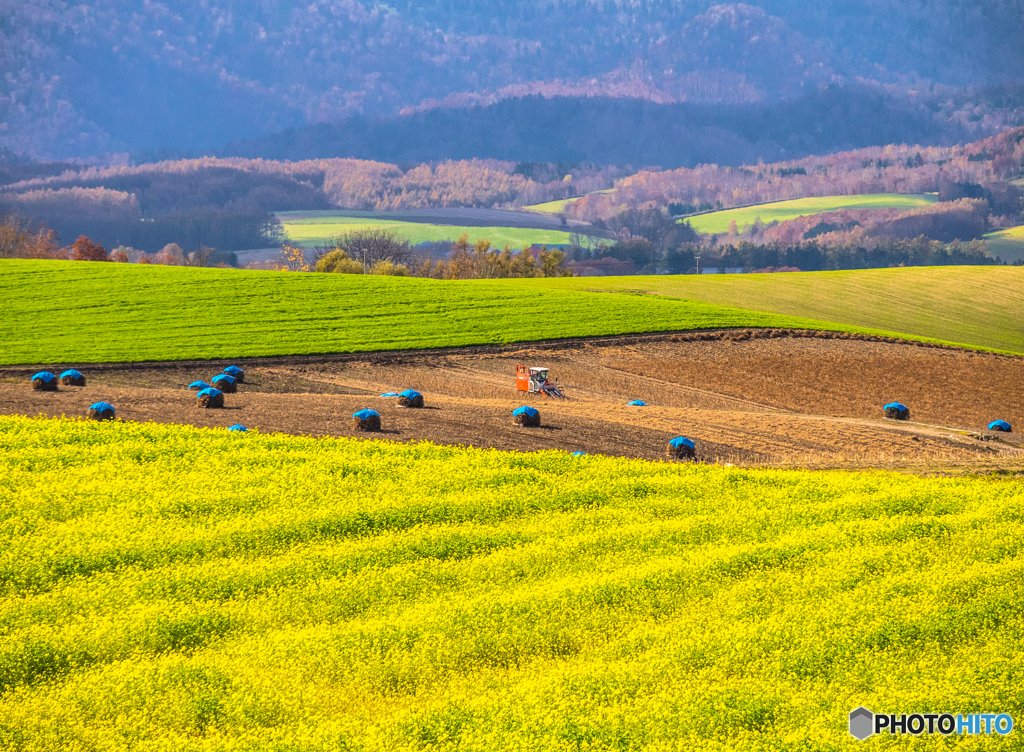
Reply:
x=620, y=131
x=135, y=74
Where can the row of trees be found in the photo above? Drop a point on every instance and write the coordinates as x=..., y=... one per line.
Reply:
x=378, y=251
x=243, y=186
x=20, y=238
x=813, y=255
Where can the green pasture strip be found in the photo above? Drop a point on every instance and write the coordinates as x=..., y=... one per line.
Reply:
x=557, y=207
x=314, y=231
x=782, y=210
x=167, y=588
x=1007, y=244
x=82, y=312
x=551, y=207
x=980, y=306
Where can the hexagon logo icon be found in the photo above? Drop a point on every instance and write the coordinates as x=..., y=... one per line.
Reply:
x=862, y=723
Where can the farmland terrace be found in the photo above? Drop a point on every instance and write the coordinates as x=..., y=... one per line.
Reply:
x=749, y=397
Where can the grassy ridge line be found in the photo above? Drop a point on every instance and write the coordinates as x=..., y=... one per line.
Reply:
x=982, y=306
x=782, y=210
x=80, y=312
x=321, y=231
x=278, y=592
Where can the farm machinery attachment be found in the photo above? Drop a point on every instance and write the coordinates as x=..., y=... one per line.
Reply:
x=535, y=381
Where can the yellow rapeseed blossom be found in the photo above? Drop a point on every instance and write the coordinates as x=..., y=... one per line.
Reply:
x=173, y=588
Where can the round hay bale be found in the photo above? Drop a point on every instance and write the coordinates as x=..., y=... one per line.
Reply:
x=636, y=403
x=210, y=398
x=1001, y=426
x=71, y=377
x=238, y=427
x=681, y=448
x=896, y=411
x=236, y=373
x=366, y=420
x=410, y=398
x=44, y=381
x=526, y=416
x=198, y=386
x=101, y=411
x=225, y=383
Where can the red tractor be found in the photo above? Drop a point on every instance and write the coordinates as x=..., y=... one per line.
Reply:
x=535, y=381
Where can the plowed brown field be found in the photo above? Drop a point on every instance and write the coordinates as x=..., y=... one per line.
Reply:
x=787, y=401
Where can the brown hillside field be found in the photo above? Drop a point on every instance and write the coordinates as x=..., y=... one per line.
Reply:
x=785, y=402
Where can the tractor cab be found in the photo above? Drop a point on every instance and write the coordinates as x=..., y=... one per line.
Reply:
x=535, y=381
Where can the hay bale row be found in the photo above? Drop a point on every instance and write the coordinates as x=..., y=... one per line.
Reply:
x=410, y=398
x=101, y=411
x=225, y=383
x=44, y=381
x=681, y=448
x=366, y=420
x=210, y=399
x=526, y=416
x=72, y=377
x=896, y=411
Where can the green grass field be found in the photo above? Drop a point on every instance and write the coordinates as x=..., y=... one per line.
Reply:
x=557, y=207
x=1007, y=244
x=122, y=312
x=314, y=231
x=291, y=593
x=977, y=305
x=718, y=222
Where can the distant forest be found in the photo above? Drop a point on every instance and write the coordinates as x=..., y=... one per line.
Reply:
x=124, y=76
x=227, y=203
x=635, y=131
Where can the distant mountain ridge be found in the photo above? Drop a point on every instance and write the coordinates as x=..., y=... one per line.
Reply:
x=129, y=75
x=637, y=132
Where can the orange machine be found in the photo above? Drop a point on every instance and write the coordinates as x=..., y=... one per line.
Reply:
x=535, y=381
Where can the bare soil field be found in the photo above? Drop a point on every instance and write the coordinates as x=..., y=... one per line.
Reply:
x=788, y=401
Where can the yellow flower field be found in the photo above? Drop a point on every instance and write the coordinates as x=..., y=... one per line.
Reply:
x=172, y=588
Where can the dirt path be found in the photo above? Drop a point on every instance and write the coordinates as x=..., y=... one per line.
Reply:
x=778, y=401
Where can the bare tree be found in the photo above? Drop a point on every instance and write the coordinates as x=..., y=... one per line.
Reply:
x=373, y=245
x=20, y=239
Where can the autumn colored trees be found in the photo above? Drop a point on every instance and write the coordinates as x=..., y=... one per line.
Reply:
x=84, y=249
x=20, y=239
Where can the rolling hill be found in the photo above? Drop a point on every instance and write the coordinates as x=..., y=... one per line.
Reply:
x=135, y=312
x=718, y=222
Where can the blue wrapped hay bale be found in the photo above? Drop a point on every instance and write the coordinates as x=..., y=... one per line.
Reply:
x=526, y=416
x=72, y=377
x=198, y=386
x=225, y=383
x=682, y=448
x=44, y=381
x=239, y=428
x=366, y=420
x=210, y=398
x=410, y=398
x=896, y=411
x=236, y=373
x=101, y=411
x=389, y=394
x=1000, y=425
x=636, y=403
